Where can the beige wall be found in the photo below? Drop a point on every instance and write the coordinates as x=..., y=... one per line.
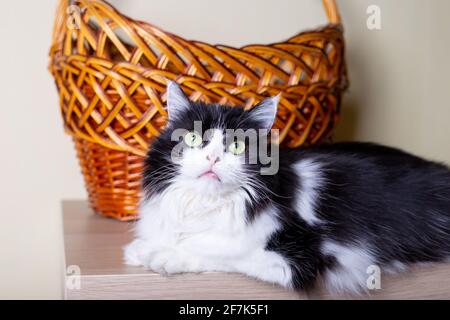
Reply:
x=37, y=162
x=398, y=96
x=399, y=76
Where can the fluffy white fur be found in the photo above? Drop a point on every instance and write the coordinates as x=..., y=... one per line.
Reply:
x=311, y=181
x=199, y=224
x=195, y=234
x=351, y=272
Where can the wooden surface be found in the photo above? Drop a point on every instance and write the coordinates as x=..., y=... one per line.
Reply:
x=94, y=243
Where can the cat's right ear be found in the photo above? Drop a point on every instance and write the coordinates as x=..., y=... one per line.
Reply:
x=177, y=102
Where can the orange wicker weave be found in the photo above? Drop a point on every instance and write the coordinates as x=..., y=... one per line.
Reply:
x=110, y=73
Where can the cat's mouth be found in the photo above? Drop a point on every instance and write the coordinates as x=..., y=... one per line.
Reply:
x=210, y=175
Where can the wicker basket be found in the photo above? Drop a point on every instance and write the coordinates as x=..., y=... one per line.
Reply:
x=110, y=73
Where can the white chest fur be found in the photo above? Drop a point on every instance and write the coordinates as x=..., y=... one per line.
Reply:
x=181, y=231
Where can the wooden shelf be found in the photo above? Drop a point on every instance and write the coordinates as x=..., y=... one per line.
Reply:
x=94, y=244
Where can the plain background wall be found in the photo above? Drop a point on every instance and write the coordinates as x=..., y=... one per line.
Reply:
x=399, y=95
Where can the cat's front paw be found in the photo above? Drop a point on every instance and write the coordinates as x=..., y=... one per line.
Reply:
x=167, y=261
x=142, y=253
x=163, y=260
x=135, y=252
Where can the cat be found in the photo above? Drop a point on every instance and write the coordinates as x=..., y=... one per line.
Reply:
x=331, y=211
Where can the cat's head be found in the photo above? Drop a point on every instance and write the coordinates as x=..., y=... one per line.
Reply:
x=211, y=148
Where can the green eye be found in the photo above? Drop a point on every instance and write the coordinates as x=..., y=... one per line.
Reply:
x=237, y=147
x=193, y=139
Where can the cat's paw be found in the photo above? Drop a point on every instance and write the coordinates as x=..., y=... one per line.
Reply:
x=180, y=264
x=134, y=253
x=167, y=261
x=160, y=260
x=157, y=260
x=138, y=252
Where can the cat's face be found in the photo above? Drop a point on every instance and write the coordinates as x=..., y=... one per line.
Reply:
x=212, y=149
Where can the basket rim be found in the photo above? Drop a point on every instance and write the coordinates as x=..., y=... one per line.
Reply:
x=320, y=28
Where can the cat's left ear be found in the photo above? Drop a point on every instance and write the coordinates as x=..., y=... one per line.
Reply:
x=177, y=102
x=266, y=111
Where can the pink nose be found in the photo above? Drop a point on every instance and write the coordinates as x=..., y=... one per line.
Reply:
x=212, y=159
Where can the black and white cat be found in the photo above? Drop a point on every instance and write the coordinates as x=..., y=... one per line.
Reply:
x=333, y=210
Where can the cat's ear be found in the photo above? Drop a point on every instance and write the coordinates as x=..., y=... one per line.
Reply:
x=177, y=102
x=266, y=111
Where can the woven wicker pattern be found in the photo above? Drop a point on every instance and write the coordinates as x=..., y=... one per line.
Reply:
x=110, y=73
